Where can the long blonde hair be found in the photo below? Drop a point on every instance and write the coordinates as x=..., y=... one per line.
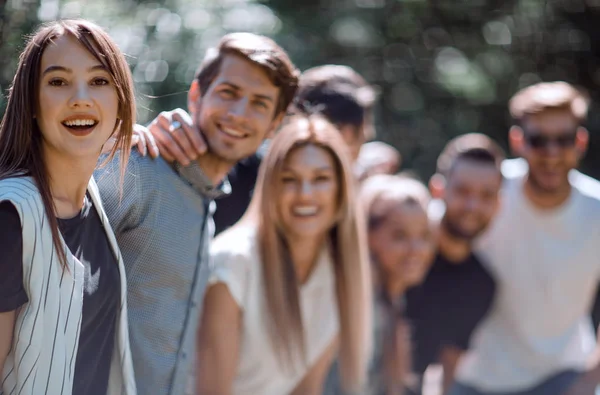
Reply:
x=349, y=252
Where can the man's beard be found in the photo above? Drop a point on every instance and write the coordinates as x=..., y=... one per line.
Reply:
x=216, y=157
x=456, y=232
x=210, y=150
x=541, y=189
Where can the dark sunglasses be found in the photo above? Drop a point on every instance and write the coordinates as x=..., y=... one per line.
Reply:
x=539, y=141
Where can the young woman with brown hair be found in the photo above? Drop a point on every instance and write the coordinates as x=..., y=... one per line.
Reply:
x=63, y=315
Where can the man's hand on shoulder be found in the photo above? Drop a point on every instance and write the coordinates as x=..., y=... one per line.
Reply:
x=172, y=135
x=177, y=137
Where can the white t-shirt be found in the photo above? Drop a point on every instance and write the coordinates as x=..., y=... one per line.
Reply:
x=546, y=265
x=236, y=263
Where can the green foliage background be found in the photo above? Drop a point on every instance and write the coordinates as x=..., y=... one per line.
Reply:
x=443, y=67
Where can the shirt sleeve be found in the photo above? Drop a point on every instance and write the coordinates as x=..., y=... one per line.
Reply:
x=230, y=267
x=126, y=201
x=12, y=292
x=132, y=204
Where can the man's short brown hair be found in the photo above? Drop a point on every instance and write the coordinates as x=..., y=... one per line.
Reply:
x=259, y=50
x=546, y=96
x=474, y=147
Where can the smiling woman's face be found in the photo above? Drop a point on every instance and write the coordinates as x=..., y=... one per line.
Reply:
x=403, y=244
x=309, y=190
x=78, y=100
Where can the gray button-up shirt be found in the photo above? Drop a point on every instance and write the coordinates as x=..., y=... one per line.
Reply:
x=163, y=224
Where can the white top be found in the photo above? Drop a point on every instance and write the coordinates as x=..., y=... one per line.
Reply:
x=47, y=327
x=547, y=269
x=236, y=263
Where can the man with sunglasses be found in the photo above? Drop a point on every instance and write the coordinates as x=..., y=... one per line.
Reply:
x=542, y=250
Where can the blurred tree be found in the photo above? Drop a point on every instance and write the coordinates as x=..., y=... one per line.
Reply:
x=442, y=67
x=17, y=18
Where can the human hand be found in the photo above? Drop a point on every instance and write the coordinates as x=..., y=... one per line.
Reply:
x=177, y=137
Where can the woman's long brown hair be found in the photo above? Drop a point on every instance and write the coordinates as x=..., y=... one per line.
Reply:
x=347, y=239
x=20, y=137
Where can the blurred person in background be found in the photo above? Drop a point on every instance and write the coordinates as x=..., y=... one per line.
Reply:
x=517, y=167
x=377, y=157
x=542, y=250
x=338, y=92
x=344, y=97
x=458, y=290
x=290, y=286
x=162, y=217
x=63, y=305
x=401, y=246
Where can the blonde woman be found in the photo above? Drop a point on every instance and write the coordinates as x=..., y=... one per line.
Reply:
x=290, y=283
x=402, y=248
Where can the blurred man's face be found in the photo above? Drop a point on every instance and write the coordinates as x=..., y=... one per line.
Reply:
x=471, y=198
x=552, y=145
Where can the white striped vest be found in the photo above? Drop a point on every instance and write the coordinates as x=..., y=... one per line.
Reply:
x=46, y=334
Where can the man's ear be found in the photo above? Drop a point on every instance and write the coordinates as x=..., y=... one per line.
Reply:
x=582, y=139
x=516, y=140
x=437, y=186
x=194, y=97
x=275, y=123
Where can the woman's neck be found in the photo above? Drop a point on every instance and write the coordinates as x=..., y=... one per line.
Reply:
x=69, y=179
x=305, y=253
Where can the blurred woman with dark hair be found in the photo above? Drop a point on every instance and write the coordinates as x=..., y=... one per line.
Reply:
x=290, y=283
x=63, y=315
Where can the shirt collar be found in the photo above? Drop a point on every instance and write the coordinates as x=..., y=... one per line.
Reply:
x=199, y=181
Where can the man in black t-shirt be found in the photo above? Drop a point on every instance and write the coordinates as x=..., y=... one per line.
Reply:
x=242, y=178
x=458, y=291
